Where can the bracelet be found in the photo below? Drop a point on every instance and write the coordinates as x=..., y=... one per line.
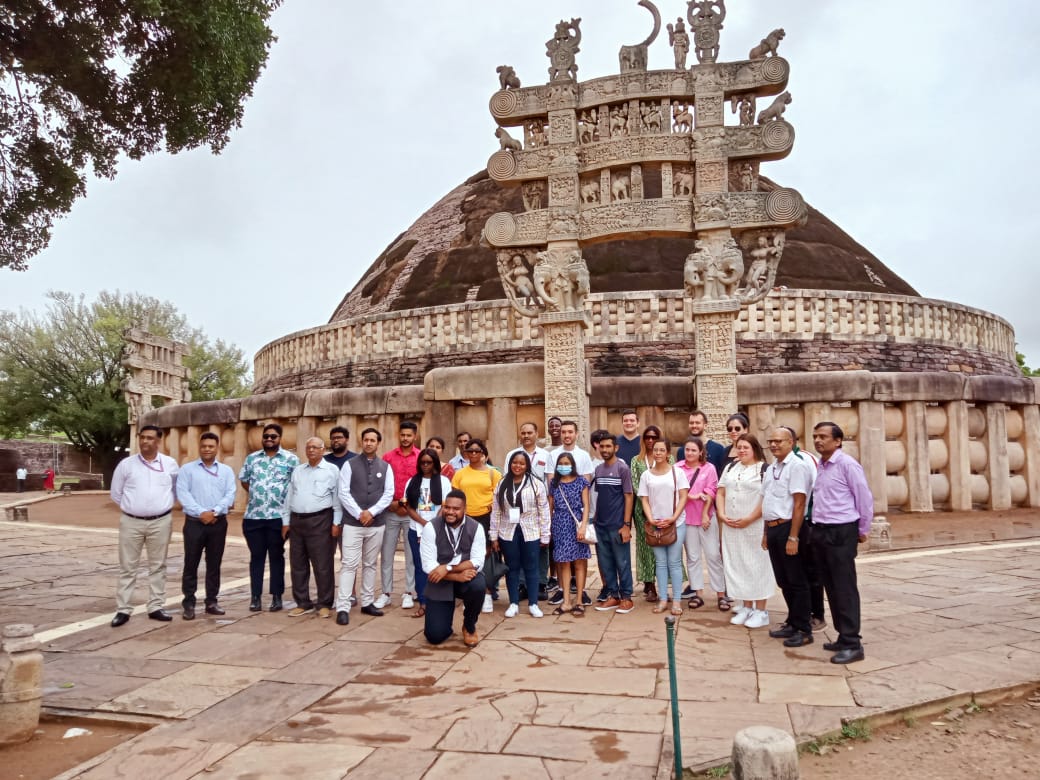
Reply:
x=792, y=538
x=627, y=525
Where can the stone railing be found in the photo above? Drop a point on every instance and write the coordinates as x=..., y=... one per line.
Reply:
x=638, y=317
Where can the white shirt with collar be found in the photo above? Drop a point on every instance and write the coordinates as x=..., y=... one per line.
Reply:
x=312, y=489
x=780, y=483
x=540, y=459
x=145, y=488
x=428, y=546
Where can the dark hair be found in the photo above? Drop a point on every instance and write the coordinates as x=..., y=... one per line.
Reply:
x=556, y=473
x=411, y=490
x=209, y=435
x=339, y=429
x=836, y=431
x=437, y=439
x=571, y=423
x=273, y=427
x=408, y=425
x=739, y=417
x=598, y=435
x=532, y=423
x=480, y=444
x=456, y=493
x=608, y=437
x=156, y=428
x=647, y=430
x=700, y=443
x=462, y=433
x=379, y=436
x=629, y=411
x=554, y=417
x=760, y=454
x=699, y=413
x=503, y=483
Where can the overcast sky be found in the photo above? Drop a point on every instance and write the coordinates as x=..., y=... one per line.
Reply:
x=916, y=125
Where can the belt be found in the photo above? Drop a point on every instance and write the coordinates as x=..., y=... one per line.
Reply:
x=775, y=523
x=305, y=515
x=152, y=517
x=194, y=517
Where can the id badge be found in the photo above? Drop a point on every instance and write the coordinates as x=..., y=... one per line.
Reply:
x=514, y=514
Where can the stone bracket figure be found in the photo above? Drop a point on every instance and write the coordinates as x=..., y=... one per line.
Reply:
x=562, y=48
x=745, y=104
x=776, y=109
x=561, y=280
x=679, y=40
x=533, y=193
x=506, y=142
x=634, y=58
x=507, y=78
x=713, y=275
x=765, y=249
x=768, y=46
x=518, y=284
x=706, y=17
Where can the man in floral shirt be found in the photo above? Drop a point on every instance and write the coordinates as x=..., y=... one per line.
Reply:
x=266, y=474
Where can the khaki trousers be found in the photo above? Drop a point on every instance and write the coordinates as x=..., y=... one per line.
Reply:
x=154, y=537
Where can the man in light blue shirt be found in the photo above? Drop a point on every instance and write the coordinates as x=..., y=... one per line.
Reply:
x=311, y=521
x=206, y=490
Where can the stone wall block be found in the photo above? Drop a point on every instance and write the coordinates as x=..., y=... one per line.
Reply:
x=270, y=406
x=1003, y=389
x=635, y=391
x=810, y=386
x=515, y=380
x=923, y=386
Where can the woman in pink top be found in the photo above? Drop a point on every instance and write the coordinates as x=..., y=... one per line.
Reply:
x=703, y=538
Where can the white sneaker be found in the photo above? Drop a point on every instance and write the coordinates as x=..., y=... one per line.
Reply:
x=535, y=611
x=758, y=618
x=382, y=601
x=512, y=610
x=489, y=605
x=741, y=616
x=406, y=601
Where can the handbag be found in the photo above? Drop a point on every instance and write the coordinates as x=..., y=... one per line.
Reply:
x=495, y=568
x=590, y=529
x=662, y=537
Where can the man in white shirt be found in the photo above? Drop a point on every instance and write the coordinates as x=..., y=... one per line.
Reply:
x=21, y=474
x=582, y=460
x=311, y=522
x=143, y=486
x=529, y=443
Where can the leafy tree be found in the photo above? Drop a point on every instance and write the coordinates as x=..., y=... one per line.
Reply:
x=60, y=371
x=85, y=81
x=1026, y=370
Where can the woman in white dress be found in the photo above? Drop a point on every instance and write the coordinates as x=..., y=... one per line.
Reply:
x=738, y=503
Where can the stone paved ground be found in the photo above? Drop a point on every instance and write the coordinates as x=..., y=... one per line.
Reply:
x=264, y=695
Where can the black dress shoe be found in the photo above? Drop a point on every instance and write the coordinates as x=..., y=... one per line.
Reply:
x=214, y=609
x=342, y=618
x=120, y=619
x=254, y=604
x=372, y=610
x=161, y=616
x=834, y=647
x=848, y=656
x=798, y=640
x=785, y=631
x=276, y=604
x=188, y=613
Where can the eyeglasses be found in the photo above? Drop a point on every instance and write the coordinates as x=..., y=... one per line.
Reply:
x=732, y=428
x=270, y=436
x=650, y=437
x=774, y=441
x=474, y=452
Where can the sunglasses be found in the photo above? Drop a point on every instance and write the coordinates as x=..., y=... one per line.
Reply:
x=474, y=452
x=651, y=437
x=732, y=428
x=270, y=436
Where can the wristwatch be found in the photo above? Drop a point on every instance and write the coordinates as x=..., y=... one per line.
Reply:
x=450, y=566
x=792, y=538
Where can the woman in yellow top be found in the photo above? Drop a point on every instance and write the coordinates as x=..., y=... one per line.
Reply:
x=478, y=481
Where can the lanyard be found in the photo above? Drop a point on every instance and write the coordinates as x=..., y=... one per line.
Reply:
x=150, y=467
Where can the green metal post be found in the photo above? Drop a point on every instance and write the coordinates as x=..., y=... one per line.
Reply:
x=673, y=687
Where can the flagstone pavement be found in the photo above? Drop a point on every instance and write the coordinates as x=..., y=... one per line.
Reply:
x=255, y=695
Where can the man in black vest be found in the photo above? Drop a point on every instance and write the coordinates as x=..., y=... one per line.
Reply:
x=366, y=487
x=452, y=551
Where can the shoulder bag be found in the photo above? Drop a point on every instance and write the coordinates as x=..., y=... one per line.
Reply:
x=590, y=529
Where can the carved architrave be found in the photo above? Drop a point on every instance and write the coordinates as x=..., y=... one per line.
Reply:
x=665, y=215
x=749, y=210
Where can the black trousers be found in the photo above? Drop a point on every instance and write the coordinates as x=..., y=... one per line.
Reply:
x=835, y=547
x=264, y=539
x=21, y=486
x=200, y=538
x=789, y=571
x=812, y=571
x=441, y=614
x=311, y=545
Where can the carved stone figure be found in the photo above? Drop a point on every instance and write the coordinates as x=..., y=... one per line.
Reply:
x=682, y=183
x=693, y=270
x=682, y=118
x=507, y=77
x=709, y=277
x=517, y=283
x=619, y=121
x=651, y=115
x=706, y=17
x=562, y=48
x=680, y=43
x=746, y=105
x=506, y=142
x=620, y=187
x=588, y=130
x=776, y=109
x=603, y=124
x=634, y=58
x=731, y=267
x=533, y=194
x=768, y=46
x=535, y=133
x=590, y=192
x=748, y=179
x=761, y=254
x=561, y=279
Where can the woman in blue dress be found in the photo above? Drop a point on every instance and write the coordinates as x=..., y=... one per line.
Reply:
x=569, y=505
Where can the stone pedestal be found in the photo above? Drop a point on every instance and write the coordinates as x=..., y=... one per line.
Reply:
x=21, y=684
x=716, y=377
x=764, y=753
x=880, y=534
x=566, y=375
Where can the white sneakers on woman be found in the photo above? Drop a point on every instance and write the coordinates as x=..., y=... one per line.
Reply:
x=758, y=618
x=740, y=615
x=512, y=609
x=535, y=611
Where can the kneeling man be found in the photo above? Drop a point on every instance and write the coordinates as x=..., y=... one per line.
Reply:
x=452, y=551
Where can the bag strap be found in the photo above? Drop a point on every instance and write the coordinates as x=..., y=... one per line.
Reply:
x=567, y=504
x=675, y=489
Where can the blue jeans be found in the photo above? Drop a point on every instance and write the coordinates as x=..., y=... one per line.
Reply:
x=615, y=563
x=669, y=565
x=521, y=556
x=420, y=575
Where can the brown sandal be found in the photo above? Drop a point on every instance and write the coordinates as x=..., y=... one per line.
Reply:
x=420, y=612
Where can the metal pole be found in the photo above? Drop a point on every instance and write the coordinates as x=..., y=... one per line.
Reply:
x=673, y=687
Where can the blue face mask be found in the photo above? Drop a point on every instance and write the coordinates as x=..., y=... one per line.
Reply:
x=563, y=471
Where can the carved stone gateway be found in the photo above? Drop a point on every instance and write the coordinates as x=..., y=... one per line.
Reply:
x=645, y=152
x=156, y=367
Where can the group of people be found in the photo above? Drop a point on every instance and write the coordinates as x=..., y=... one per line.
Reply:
x=794, y=522
x=21, y=478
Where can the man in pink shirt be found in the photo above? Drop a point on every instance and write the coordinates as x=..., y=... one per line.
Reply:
x=403, y=461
